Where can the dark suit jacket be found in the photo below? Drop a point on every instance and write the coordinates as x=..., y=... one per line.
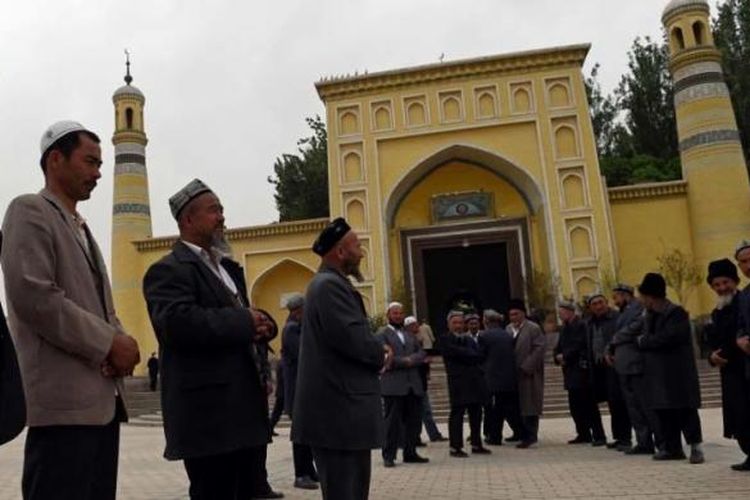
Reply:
x=671, y=377
x=463, y=367
x=573, y=345
x=212, y=395
x=402, y=376
x=337, y=402
x=628, y=357
x=500, y=360
x=290, y=342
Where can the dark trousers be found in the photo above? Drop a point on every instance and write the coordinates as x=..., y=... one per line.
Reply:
x=428, y=420
x=278, y=405
x=303, y=461
x=618, y=410
x=456, y=425
x=676, y=422
x=71, y=462
x=152, y=379
x=503, y=407
x=402, y=412
x=344, y=474
x=644, y=421
x=530, y=428
x=586, y=415
x=229, y=476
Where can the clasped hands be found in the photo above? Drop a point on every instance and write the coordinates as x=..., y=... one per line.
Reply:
x=123, y=357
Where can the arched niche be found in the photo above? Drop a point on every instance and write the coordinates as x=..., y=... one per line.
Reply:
x=416, y=114
x=574, y=191
x=559, y=96
x=580, y=243
x=699, y=32
x=521, y=101
x=566, y=142
x=585, y=285
x=349, y=123
x=486, y=105
x=451, y=109
x=353, y=171
x=677, y=39
x=504, y=168
x=356, y=214
x=382, y=118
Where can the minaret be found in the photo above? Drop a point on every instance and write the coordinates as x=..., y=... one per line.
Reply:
x=131, y=214
x=713, y=162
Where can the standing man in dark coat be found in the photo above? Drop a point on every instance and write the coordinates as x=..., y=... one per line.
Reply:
x=337, y=406
x=726, y=355
x=671, y=377
x=305, y=475
x=530, y=343
x=213, y=392
x=402, y=389
x=502, y=381
x=572, y=354
x=742, y=255
x=602, y=326
x=623, y=353
x=467, y=390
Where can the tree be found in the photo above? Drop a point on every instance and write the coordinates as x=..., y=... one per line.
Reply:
x=301, y=180
x=680, y=272
x=731, y=31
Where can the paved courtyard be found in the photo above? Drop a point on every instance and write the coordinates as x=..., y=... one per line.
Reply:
x=553, y=470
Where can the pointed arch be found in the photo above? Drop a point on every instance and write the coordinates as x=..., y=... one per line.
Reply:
x=286, y=273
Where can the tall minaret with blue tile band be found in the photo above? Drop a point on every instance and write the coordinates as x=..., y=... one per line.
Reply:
x=131, y=212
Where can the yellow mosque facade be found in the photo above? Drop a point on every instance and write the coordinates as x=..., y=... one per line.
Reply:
x=467, y=179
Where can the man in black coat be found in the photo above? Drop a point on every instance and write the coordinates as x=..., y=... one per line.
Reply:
x=467, y=389
x=670, y=375
x=572, y=353
x=305, y=475
x=742, y=256
x=213, y=396
x=623, y=353
x=153, y=371
x=726, y=355
x=497, y=347
x=337, y=406
x=602, y=326
x=402, y=388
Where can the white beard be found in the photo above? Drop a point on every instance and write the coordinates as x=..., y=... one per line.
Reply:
x=221, y=245
x=723, y=301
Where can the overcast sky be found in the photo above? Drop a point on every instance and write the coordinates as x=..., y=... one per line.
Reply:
x=229, y=83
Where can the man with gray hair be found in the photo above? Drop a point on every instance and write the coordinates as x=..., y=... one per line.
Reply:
x=502, y=381
x=467, y=390
x=401, y=387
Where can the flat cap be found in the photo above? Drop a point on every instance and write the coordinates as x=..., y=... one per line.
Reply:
x=567, y=304
x=623, y=287
x=295, y=301
x=58, y=130
x=409, y=320
x=743, y=245
x=517, y=304
x=333, y=232
x=182, y=197
x=595, y=295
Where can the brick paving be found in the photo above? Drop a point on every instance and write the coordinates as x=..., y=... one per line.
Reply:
x=552, y=470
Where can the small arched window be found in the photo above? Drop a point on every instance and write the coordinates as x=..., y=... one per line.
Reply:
x=678, y=39
x=698, y=33
x=129, y=118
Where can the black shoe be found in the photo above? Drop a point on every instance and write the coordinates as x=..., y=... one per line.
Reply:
x=744, y=466
x=613, y=445
x=524, y=445
x=669, y=455
x=598, y=442
x=696, y=457
x=579, y=440
x=387, y=463
x=458, y=453
x=639, y=450
x=415, y=459
x=439, y=439
x=421, y=444
x=624, y=446
x=494, y=442
x=306, y=483
x=269, y=494
x=513, y=439
x=480, y=450
x=274, y=433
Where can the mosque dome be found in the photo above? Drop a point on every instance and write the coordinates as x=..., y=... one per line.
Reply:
x=128, y=90
x=678, y=4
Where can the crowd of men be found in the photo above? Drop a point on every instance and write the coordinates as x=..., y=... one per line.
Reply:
x=346, y=390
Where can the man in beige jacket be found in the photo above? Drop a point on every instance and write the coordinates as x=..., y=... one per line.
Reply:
x=72, y=349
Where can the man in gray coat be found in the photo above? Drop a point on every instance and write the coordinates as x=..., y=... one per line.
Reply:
x=72, y=349
x=623, y=353
x=529, y=344
x=402, y=388
x=337, y=406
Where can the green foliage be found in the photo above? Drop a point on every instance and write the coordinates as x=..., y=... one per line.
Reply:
x=301, y=180
x=680, y=272
x=621, y=171
x=377, y=322
x=731, y=30
x=542, y=290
